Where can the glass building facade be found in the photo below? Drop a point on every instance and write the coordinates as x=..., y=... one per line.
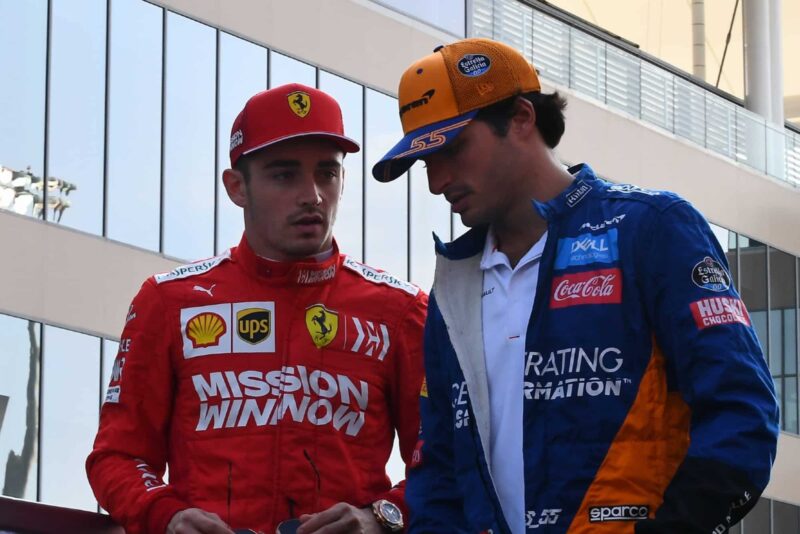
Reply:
x=118, y=125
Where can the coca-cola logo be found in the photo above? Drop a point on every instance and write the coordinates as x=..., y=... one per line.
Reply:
x=591, y=287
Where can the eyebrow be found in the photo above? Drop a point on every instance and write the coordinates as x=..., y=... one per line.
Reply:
x=296, y=163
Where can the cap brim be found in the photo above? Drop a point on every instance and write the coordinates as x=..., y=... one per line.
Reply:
x=345, y=143
x=419, y=143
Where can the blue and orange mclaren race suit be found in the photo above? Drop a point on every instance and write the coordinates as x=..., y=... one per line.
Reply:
x=648, y=406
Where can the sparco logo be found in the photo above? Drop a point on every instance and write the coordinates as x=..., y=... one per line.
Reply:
x=306, y=276
x=256, y=398
x=622, y=512
x=593, y=287
x=577, y=194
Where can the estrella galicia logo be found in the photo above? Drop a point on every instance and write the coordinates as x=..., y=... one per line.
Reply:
x=253, y=324
x=474, y=65
x=587, y=248
x=709, y=274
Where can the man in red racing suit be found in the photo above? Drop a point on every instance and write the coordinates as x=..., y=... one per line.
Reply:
x=272, y=388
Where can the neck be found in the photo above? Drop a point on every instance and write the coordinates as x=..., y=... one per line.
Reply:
x=522, y=226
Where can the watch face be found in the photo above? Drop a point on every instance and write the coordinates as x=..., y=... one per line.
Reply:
x=391, y=513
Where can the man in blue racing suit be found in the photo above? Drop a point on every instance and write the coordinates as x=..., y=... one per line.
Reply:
x=590, y=367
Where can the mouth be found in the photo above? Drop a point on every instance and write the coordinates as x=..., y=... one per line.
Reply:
x=458, y=201
x=308, y=223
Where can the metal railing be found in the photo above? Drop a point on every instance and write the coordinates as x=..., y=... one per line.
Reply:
x=588, y=62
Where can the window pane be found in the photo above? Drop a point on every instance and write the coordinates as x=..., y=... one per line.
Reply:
x=77, y=103
x=242, y=73
x=782, y=290
x=189, y=139
x=70, y=382
x=753, y=282
x=283, y=70
x=757, y=521
x=22, y=57
x=448, y=15
x=110, y=349
x=458, y=227
x=732, y=261
x=19, y=406
x=759, y=322
x=786, y=517
x=429, y=213
x=350, y=219
x=386, y=223
x=134, y=124
x=790, y=408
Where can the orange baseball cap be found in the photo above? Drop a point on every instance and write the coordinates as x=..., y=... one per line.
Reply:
x=287, y=112
x=442, y=92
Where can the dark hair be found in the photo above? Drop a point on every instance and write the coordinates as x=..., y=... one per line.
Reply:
x=243, y=166
x=549, y=110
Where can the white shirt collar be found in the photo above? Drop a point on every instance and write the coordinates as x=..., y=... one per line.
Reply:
x=493, y=258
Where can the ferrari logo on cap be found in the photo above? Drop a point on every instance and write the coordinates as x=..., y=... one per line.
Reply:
x=322, y=324
x=300, y=103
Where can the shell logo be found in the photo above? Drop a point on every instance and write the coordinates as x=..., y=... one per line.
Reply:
x=204, y=330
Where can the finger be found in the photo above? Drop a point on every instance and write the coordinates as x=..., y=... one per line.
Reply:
x=209, y=523
x=345, y=524
x=320, y=519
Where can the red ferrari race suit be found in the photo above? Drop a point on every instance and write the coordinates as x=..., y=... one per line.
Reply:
x=270, y=389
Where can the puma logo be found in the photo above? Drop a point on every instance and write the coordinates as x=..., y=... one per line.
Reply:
x=209, y=290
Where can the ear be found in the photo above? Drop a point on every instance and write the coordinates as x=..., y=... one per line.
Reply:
x=523, y=122
x=235, y=186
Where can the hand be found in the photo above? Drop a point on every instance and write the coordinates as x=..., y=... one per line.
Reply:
x=197, y=521
x=340, y=518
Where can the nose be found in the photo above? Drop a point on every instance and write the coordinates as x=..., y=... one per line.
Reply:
x=439, y=178
x=309, y=193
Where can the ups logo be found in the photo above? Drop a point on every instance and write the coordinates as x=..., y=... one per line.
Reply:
x=253, y=325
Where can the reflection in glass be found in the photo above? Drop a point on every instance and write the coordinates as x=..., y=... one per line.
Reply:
x=789, y=414
x=349, y=221
x=386, y=225
x=22, y=95
x=19, y=406
x=757, y=521
x=189, y=139
x=753, y=284
x=70, y=390
x=429, y=213
x=110, y=349
x=134, y=124
x=785, y=517
x=77, y=102
x=283, y=70
x=242, y=73
x=727, y=242
x=448, y=15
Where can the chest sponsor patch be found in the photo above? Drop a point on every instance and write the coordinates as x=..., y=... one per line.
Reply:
x=715, y=311
x=239, y=327
x=322, y=324
x=621, y=512
x=710, y=274
x=587, y=248
x=603, y=286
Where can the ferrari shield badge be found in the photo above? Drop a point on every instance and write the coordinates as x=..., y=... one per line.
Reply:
x=322, y=324
x=300, y=103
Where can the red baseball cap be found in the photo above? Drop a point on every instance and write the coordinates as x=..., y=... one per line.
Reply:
x=286, y=112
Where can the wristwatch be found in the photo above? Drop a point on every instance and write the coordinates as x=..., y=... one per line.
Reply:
x=388, y=515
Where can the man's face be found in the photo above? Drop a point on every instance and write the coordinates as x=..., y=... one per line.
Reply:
x=291, y=197
x=472, y=172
